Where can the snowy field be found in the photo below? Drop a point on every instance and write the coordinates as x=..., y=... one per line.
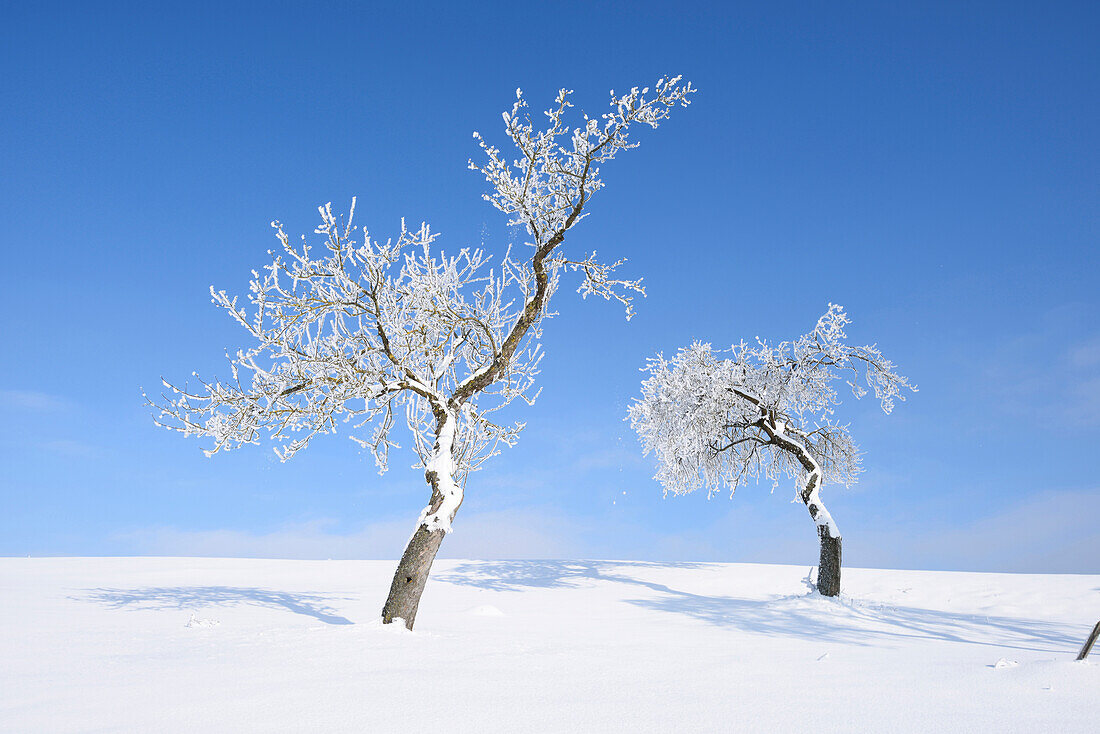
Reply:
x=104, y=644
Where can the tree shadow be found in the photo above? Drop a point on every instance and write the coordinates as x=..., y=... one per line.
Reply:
x=810, y=616
x=511, y=575
x=186, y=597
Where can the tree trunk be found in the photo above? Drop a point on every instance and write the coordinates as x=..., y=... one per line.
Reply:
x=411, y=576
x=434, y=523
x=828, y=568
x=416, y=562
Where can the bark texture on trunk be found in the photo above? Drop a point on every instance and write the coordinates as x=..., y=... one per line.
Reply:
x=416, y=562
x=828, y=568
x=434, y=524
x=411, y=576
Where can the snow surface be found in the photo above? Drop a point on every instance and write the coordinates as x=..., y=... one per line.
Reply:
x=227, y=645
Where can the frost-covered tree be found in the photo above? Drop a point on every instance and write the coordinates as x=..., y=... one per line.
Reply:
x=764, y=412
x=351, y=329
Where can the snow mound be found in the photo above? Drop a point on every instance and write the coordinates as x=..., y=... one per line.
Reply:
x=485, y=610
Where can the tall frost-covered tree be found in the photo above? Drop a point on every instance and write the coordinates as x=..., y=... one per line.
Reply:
x=349, y=329
x=765, y=411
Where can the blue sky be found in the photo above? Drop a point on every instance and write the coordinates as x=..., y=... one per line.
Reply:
x=935, y=169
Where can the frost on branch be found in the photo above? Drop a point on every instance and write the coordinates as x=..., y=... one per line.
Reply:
x=358, y=331
x=765, y=411
x=347, y=328
x=557, y=170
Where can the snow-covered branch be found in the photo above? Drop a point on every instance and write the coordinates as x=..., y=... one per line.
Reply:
x=763, y=412
x=346, y=328
x=351, y=329
x=545, y=189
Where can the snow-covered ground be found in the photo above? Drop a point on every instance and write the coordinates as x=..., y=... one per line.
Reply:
x=226, y=645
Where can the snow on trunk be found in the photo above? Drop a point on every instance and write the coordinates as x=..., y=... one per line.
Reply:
x=764, y=413
x=828, y=572
x=440, y=475
x=434, y=523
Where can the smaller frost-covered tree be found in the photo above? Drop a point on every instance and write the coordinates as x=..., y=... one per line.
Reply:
x=765, y=412
x=353, y=329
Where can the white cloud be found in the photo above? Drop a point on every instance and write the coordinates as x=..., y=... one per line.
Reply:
x=75, y=449
x=1048, y=532
x=1062, y=387
x=1086, y=354
x=313, y=539
x=1084, y=401
x=1051, y=532
x=520, y=533
x=32, y=400
x=612, y=457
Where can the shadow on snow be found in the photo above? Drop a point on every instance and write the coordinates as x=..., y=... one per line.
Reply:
x=188, y=597
x=810, y=616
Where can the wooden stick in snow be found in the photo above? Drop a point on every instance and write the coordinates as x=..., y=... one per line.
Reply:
x=1089, y=642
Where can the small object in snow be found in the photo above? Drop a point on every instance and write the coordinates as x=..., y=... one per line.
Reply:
x=485, y=610
x=1048, y=687
x=1089, y=642
x=1005, y=663
x=195, y=622
x=823, y=657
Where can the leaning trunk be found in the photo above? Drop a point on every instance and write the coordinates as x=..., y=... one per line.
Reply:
x=411, y=576
x=828, y=567
x=434, y=523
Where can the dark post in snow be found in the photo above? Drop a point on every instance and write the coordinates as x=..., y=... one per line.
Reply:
x=766, y=412
x=1089, y=642
x=355, y=330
